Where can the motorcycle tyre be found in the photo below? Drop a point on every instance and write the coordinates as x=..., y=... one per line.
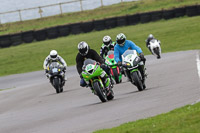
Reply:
x=111, y=95
x=56, y=85
x=116, y=76
x=137, y=81
x=102, y=96
x=61, y=90
x=156, y=51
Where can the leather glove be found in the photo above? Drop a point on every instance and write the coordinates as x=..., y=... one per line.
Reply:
x=142, y=57
x=119, y=63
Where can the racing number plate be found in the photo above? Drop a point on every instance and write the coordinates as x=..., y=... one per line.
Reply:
x=54, y=70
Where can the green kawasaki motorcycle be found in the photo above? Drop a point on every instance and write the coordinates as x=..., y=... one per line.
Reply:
x=114, y=68
x=94, y=76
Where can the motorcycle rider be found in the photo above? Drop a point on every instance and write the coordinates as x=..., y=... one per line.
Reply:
x=123, y=45
x=54, y=57
x=107, y=45
x=149, y=38
x=86, y=53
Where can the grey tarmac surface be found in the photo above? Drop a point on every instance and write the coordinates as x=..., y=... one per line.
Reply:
x=32, y=105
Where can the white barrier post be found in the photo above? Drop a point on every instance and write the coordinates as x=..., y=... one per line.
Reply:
x=40, y=12
x=81, y=5
x=102, y=3
x=61, y=12
x=20, y=16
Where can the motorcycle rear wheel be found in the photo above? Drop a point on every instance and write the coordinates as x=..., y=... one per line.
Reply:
x=111, y=95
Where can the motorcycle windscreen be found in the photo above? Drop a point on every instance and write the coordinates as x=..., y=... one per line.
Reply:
x=54, y=65
x=127, y=52
x=89, y=61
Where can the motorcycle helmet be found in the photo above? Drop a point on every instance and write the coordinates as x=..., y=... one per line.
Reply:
x=150, y=37
x=107, y=40
x=120, y=39
x=83, y=48
x=53, y=54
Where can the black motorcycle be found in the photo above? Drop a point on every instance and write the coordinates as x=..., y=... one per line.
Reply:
x=56, y=76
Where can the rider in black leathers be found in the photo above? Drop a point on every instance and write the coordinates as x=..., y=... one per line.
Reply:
x=86, y=53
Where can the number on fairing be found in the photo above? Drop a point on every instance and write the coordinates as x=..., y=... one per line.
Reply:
x=129, y=56
x=89, y=67
x=54, y=70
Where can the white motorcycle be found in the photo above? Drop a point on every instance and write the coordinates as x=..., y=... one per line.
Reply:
x=155, y=48
x=131, y=61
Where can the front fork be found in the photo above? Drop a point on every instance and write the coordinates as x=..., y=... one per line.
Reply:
x=104, y=85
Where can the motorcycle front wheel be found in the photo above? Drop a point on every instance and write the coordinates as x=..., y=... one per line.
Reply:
x=137, y=80
x=56, y=85
x=100, y=93
x=116, y=76
x=157, y=52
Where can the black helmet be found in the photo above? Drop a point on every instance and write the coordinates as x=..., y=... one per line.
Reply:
x=83, y=48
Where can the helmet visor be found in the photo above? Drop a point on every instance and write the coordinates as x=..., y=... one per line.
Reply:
x=83, y=51
x=53, y=56
x=121, y=42
x=107, y=43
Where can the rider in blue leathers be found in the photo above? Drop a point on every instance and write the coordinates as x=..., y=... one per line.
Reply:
x=119, y=50
x=123, y=45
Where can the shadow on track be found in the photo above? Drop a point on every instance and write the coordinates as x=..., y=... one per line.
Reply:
x=64, y=91
x=97, y=103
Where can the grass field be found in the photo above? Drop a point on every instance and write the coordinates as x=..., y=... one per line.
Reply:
x=103, y=12
x=182, y=120
x=175, y=35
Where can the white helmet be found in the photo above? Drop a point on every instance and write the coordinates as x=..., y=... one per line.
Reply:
x=53, y=54
x=83, y=48
x=150, y=36
x=107, y=40
x=120, y=39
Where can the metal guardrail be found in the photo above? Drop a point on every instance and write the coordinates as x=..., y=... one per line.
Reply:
x=40, y=10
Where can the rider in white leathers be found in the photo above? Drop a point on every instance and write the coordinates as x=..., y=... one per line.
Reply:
x=54, y=57
x=149, y=38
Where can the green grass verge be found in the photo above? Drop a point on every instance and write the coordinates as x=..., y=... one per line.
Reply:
x=175, y=35
x=6, y=89
x=182, y=120
x=99, y=13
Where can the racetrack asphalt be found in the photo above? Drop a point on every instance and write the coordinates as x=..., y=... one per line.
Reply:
x=29, y=104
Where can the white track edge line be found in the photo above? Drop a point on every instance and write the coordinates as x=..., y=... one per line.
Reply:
x=198, y=64
x=198, y=69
